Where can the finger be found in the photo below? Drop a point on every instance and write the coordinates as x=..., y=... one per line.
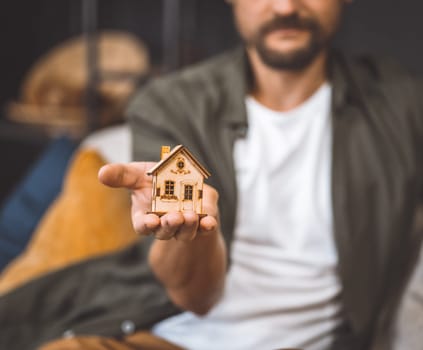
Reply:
x=188, y=230
x=208, y=224
x=132, y=175
x=145, y=224
x=170, y=223
x=210, y=201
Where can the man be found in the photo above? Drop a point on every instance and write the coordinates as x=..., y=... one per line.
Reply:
x=316, y=178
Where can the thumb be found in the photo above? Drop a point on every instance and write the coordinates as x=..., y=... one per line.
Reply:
x=131, y=176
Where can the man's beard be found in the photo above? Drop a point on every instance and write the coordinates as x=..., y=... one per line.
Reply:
x=296, y=59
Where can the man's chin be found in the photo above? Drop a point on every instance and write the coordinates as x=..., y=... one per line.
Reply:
x=288, y=58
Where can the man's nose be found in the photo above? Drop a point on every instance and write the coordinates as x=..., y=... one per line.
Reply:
x=285, y=7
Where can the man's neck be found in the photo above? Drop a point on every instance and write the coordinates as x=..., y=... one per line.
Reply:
x=282, y=90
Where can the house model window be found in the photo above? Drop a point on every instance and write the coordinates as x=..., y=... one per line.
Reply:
x=177, y=182
x=169, y=187
x=188, y=192
x=181, y=163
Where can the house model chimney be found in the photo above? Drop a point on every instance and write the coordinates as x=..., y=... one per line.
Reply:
x=165, y=151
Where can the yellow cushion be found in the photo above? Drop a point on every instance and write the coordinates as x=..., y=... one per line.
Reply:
x=87, y=219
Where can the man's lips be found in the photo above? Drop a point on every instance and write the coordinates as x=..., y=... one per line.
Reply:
x=287, y=32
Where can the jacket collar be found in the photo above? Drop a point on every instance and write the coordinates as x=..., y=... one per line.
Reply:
x=237, y=77
x=236, y=80
x=338, y=79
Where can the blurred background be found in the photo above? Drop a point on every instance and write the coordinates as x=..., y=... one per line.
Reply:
x=154, y=36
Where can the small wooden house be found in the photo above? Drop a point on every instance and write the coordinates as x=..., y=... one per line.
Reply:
x=177, y=182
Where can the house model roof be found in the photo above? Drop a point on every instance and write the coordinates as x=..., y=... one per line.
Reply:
x=175, y=151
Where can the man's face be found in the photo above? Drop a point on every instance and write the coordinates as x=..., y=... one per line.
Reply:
x=287, y=34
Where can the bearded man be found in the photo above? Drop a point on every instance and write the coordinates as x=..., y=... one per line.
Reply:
x=317, y=175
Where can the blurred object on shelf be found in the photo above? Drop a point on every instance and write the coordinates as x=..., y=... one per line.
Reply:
x=54, y=92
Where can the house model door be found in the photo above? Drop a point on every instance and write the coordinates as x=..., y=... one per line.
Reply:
x=187, y=195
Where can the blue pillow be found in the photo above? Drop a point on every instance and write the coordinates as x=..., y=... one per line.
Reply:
x=23, y=210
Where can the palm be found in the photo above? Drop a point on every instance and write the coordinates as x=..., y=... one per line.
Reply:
x=133, y=176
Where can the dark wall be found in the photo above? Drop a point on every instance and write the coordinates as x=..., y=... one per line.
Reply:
x=389, y=27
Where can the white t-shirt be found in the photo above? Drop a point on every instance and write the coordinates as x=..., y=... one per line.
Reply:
x=282, y=289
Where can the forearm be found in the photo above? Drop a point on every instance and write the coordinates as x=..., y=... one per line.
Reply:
x=192, y=272
x=188, y=255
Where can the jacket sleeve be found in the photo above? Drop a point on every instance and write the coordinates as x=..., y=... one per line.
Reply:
x=167, y=112
x=151, y=125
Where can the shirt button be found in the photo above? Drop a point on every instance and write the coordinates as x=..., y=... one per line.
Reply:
x=241, y=131
x=127, y=327
x=68, y=333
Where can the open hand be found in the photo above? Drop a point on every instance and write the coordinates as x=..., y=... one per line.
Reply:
x=183, y=226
